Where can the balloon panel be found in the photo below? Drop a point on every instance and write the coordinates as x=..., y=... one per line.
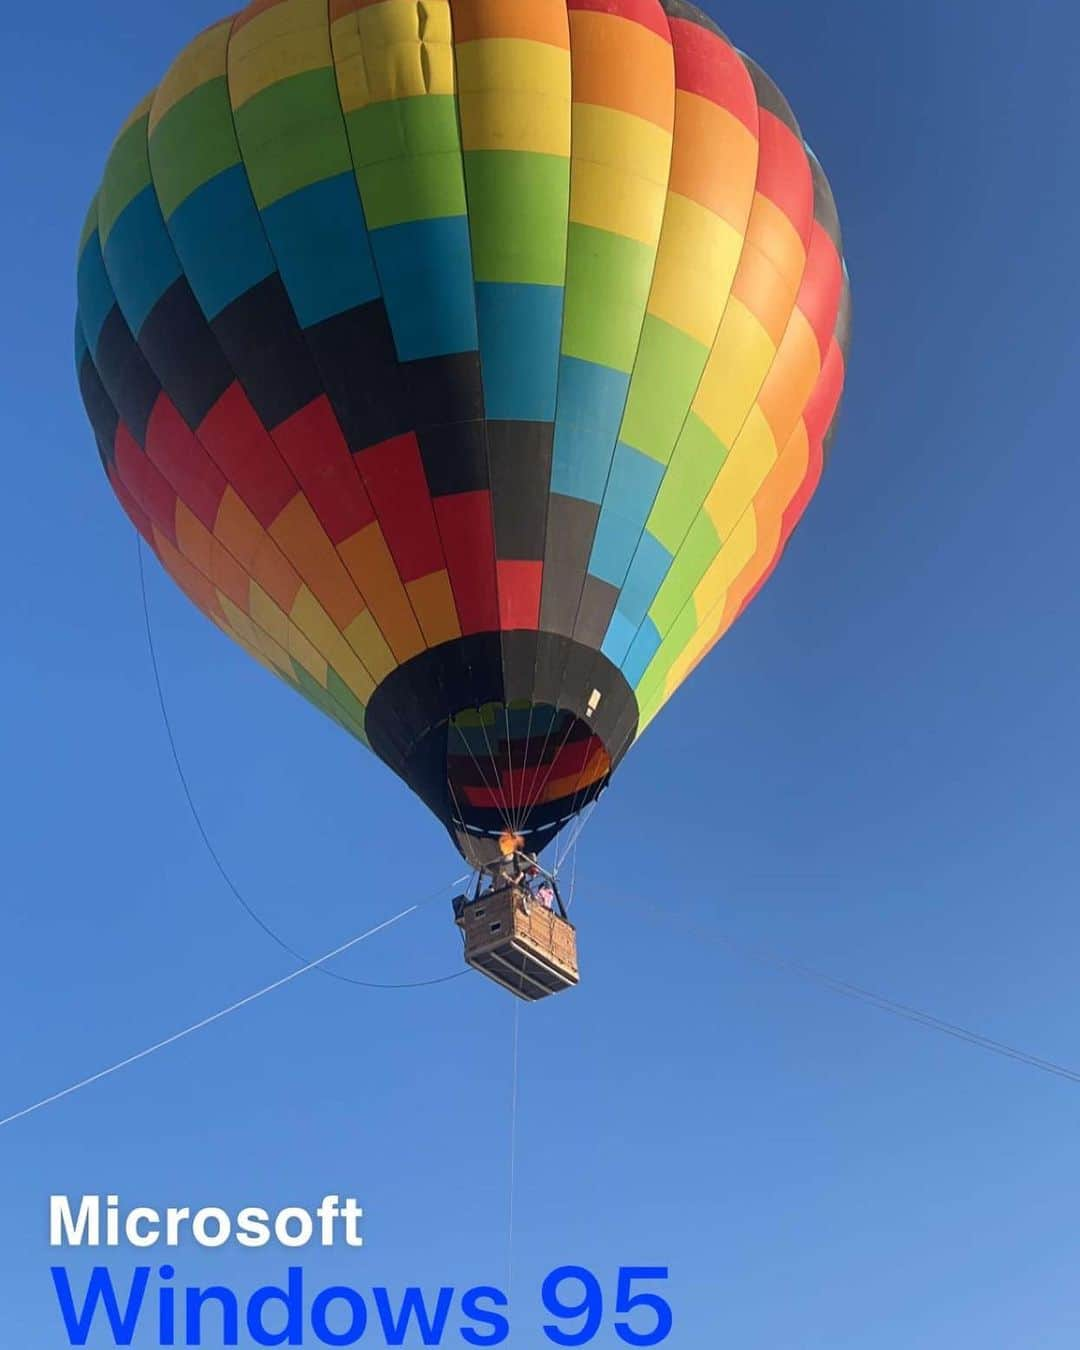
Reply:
x=469, y=359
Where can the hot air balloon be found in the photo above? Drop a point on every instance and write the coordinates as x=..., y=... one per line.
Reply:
x=470, y=363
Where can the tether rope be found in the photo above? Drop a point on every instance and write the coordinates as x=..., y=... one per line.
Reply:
x=513, y=1153
x=206, y=1021
x=906, y=1011
x=215, y=857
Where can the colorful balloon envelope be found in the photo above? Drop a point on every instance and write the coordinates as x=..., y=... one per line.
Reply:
x=470, y=363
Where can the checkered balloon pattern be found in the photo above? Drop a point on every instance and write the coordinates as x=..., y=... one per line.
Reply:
x=469, y=363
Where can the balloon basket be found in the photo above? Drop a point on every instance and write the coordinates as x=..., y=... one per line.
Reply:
x=514, y=940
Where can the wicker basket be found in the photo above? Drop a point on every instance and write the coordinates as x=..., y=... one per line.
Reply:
x=517, y=942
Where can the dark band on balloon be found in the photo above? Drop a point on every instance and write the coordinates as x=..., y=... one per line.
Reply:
x=408, y=716
x=682, y=9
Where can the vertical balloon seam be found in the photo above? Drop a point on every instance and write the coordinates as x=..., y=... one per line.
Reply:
x=537, y=792
x=706, y=356
x=747, y=582
x=293, y=318
x=404, y=748
x=563, y=700
x=634, y=731
x=528, y=804
x=818, y=432
x=341, y=19
x=681, y=665
x=465, y=649
x=686, y=14
x=706, y=488
x=458, y=816
x=560, y=42
x=334, y=66
x=327, y=67
x=148, y=531
x=337, y=58
x=680, y=553
x=643, y=689
x=244, y=164
x=151, y=533
x=259, y=8
x=530, y=801
x=641, y=332
x=478, y=703
x=526, y=807
x=479, y=706
x=308, y=583
x=220, y=543
x=494, y=504
x=743, y=586
x=691, y=603
x=662, y=694
x=612, y=16
x=533, y=797
x=495, y=580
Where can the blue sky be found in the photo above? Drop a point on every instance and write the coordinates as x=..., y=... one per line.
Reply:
x=876, y=773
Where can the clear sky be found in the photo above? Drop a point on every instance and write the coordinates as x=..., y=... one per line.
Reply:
x=876, y=773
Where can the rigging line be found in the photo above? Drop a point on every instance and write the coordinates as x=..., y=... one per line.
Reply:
x=894, y=1007
x=523, y=787
x=206, y=1021
x=507, y=820
x=534, y=799
x=628, y=739
x=525, y=760
x=582, y=794
x=510, y=767
x=574, y=722
x=452, y=724
x=563, y=846
x=459, y=817
x=537, y=796
x=196, y=816
x=576, y=833
x=495, y=792
x=498, y=801
x=513, y=1154
x=497, y=796
x=577, y=806
x=529, y=802
x=523, y=805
